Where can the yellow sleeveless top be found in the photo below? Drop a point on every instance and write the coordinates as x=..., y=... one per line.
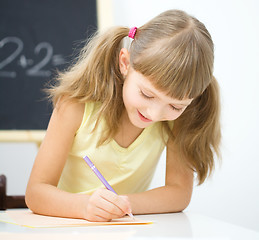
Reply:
x=128, y=170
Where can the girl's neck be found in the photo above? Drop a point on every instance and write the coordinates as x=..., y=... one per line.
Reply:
x=127, y=132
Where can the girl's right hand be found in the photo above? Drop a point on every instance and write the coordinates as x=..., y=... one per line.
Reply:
x=104, y=205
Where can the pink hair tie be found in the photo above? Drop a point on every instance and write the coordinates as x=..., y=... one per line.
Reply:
x=132, y=32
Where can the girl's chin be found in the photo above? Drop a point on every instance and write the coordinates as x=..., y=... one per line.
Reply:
x=138, y=122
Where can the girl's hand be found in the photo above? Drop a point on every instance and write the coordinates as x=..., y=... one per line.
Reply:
x=104, y=205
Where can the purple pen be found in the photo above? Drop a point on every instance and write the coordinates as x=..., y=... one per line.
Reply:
x=100, y=176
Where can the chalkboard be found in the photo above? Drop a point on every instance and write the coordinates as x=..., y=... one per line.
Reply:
x=37, y=38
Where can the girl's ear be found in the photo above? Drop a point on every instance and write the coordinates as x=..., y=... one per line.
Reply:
x=124, y=61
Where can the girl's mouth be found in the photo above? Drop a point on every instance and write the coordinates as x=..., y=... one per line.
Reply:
x=144, y=119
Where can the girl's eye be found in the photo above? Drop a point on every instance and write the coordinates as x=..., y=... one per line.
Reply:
x=176, y=109
x=149, y=98
x=145, y=96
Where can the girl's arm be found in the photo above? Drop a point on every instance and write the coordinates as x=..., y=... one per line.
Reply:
x=42, y=195
x=174, y=196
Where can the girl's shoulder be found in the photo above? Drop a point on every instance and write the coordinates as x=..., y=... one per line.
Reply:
x=88, y=114
x=70, y=111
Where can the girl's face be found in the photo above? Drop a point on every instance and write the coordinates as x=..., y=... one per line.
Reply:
x=145, y=104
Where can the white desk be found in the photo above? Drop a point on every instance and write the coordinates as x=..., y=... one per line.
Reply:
x=166, y=226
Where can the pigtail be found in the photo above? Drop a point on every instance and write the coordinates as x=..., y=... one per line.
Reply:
x=95, y=76
x=106, y=79
x=198, y=135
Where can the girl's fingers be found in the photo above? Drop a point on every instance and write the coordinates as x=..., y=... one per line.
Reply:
x=95, y=218
x=112, y=210
x=105, y=205
x=107, y=215
x=101, y=215
x=118, y=204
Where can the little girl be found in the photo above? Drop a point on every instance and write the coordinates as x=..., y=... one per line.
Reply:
x=121, y=107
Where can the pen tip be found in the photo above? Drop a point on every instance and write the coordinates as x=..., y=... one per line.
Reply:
x=131, y=215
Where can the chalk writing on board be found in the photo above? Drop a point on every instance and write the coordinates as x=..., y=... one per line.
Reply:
x=31, y=67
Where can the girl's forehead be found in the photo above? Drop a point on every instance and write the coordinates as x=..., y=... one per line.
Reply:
x=145, y=84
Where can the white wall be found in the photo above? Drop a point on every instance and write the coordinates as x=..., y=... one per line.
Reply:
x=232, y=194
x=16, y=161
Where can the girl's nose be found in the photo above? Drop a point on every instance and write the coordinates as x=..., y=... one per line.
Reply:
x=156, y=114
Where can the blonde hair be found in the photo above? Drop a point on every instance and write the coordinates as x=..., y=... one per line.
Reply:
x=174, y=51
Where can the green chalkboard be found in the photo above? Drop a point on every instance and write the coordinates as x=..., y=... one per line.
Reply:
x=37, y=38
